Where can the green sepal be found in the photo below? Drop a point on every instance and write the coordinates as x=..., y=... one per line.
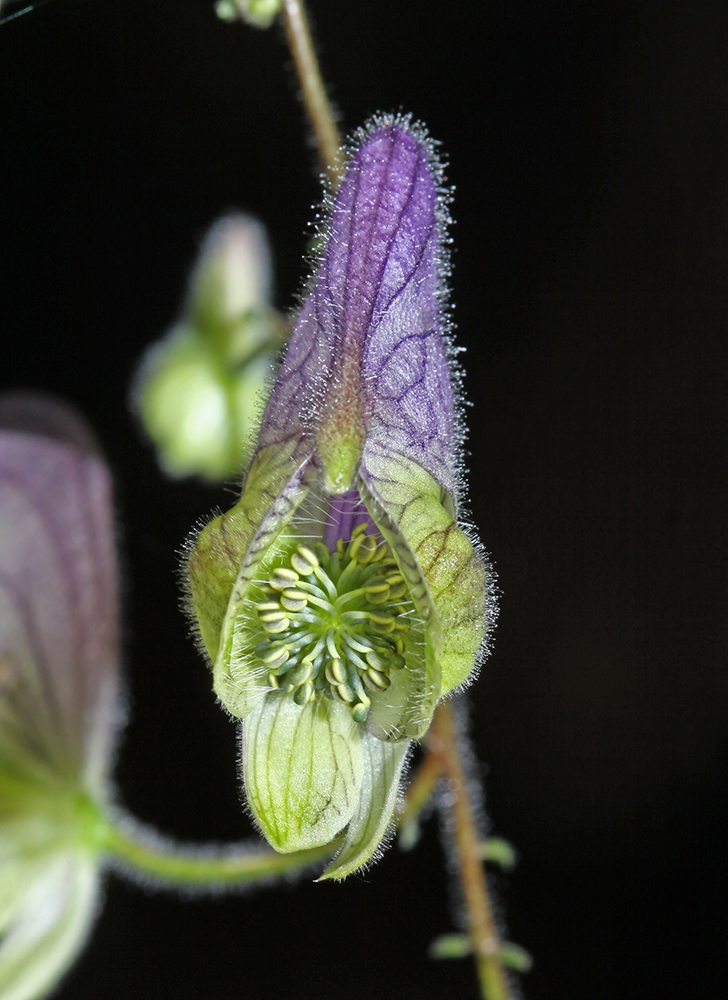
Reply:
x=454, y=572
x=383, y=764
x=228, y=551
x=405, y=710
x=303, y=768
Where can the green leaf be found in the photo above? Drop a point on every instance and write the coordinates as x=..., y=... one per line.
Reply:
x=450, y=946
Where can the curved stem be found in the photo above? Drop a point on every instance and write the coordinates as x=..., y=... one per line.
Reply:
x=484, y=939
x=313, y=90
x=142, y=851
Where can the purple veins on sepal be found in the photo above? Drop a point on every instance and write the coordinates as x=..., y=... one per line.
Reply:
x=368, y=359
x=342, y=575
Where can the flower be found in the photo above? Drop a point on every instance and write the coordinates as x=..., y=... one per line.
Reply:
x=197, y=390
x=58, y=687
x=339, y=600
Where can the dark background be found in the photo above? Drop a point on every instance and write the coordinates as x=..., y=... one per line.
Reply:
x=587, y=144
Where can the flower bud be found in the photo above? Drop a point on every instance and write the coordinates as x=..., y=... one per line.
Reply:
x=199, y=390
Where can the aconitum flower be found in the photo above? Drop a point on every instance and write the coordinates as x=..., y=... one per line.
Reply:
x=339, y=600
x=58, y=687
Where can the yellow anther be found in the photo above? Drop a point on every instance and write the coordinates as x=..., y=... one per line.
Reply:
x=399, y=645
x=376, y=679
x=344, y=693
x=294, y=600
x=276, y=657
x=276, y=627
x=368, y=547
x=283, y=578
x=376, y=661
x=381, y=622
x=336, y=672
x=360, y=529
x=304, y=560
x=262, y=607
x=273, y=681
x=304, y=693
x=299, y=674
x=360, y=712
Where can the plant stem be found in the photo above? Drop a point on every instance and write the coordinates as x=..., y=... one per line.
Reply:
x=313, y=91
x=483, y=934
x=216, y=867
x=419, y=793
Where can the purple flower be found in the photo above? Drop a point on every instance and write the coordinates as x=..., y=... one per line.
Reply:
x=339, y=600
x=58, y=686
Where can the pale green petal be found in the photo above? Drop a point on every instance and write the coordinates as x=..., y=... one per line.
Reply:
x=303, y=770
x=50, y=927
x=382, y=771
x=457, y=576
x=226, y=558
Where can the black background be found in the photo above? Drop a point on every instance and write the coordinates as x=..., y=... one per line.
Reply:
x=587, y=146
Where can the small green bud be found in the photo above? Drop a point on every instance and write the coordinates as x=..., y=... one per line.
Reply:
x=199, y=390
x=258, y=13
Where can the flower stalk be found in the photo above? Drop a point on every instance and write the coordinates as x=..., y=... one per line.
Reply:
x=485, y=941
x=142, y=852
x=313, y=89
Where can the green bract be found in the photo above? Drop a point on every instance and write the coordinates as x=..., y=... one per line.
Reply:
x=339, y=599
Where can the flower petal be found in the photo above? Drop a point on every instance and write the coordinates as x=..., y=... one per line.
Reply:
x=383, y=764
x=50, y=928
x=303, y=769
x=58, y=609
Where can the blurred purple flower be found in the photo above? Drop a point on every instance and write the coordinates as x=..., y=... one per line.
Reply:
x=59, y=657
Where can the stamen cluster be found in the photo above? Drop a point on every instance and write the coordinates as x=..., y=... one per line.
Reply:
x=336, y=622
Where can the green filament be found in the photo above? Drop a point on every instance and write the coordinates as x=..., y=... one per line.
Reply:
x=336, y=622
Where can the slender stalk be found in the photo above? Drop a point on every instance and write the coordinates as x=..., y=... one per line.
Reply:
x=483, y=934
x=419, y=792
x=146, y=853
x=313, y=90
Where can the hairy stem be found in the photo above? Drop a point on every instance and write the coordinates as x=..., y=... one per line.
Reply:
x=143, y=852
x=484, y=939
x=419, y=793
x=315, y=98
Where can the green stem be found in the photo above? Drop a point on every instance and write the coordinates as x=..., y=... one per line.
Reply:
x=145, y=852
x=419, y=793
x=313, y=90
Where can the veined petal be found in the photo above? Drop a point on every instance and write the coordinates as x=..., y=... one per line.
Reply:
x=58, y=607
x=383, y=764
x=50, y=927
x=303, y=769
x=454, y=571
